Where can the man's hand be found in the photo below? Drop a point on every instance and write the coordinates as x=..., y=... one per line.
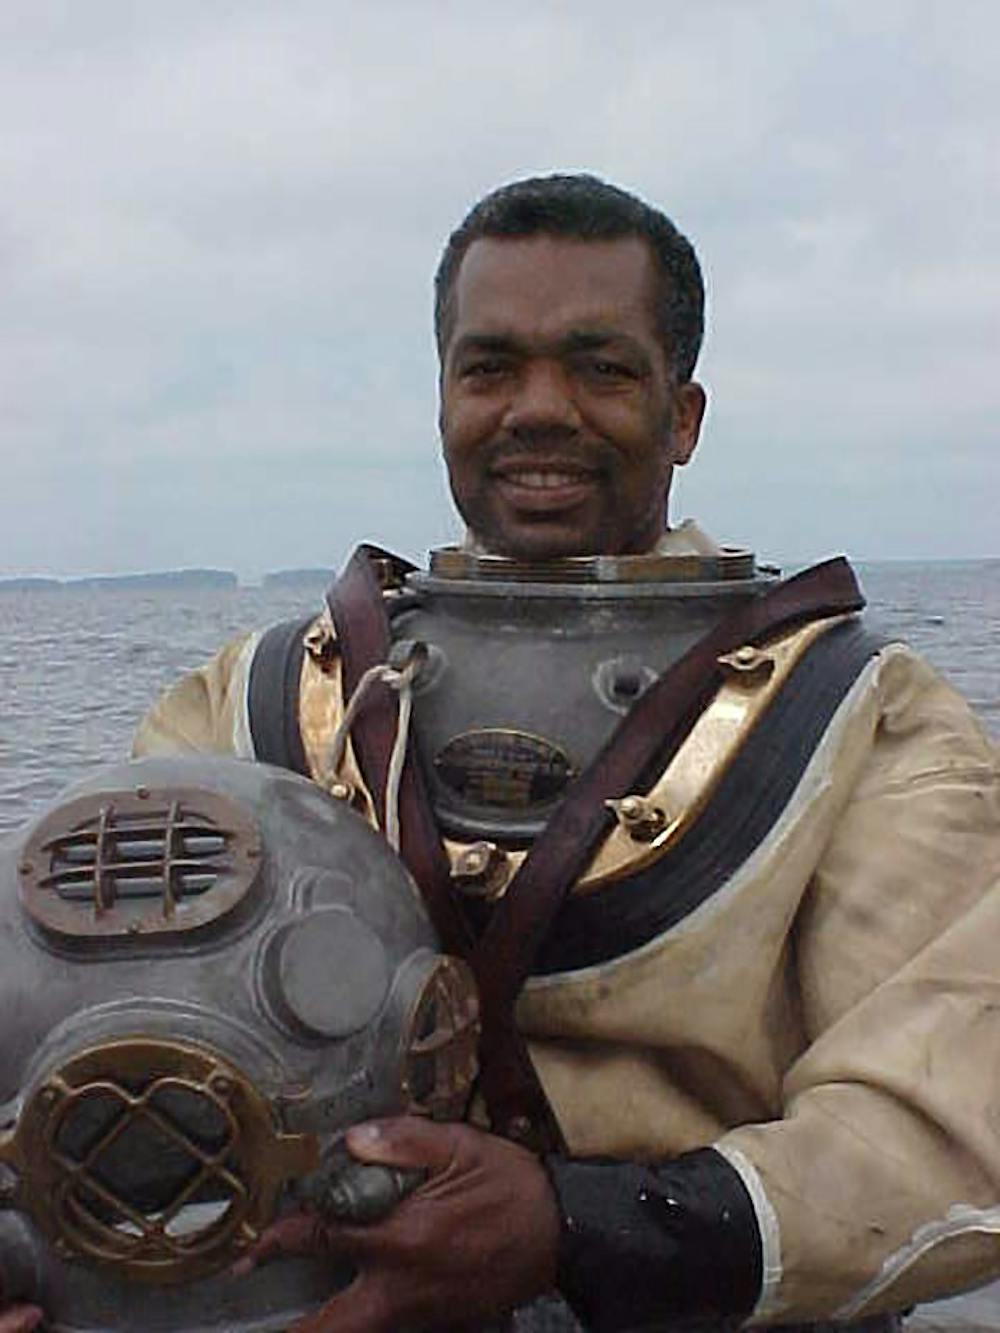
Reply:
x=477, y=1238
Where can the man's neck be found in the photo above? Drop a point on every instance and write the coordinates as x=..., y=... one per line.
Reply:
x=686, y=539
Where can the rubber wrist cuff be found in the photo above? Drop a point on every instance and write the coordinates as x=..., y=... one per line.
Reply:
x=644, y=1245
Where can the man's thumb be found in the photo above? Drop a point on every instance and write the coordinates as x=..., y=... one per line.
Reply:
x=404, y=1141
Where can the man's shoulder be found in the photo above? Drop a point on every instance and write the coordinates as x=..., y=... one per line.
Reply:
x=227, y=704
x=923, y=722
x=202, y=710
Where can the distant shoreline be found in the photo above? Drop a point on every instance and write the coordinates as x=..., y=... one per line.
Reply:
x=168, y=578
x=294, y=578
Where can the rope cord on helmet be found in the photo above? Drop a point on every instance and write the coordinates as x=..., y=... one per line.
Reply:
x=402, y=682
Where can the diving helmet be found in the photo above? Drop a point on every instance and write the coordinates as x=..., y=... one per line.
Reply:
x=209, y=969
x=528, y=667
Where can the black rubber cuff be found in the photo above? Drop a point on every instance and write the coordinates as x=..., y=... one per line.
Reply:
x=642, y=1246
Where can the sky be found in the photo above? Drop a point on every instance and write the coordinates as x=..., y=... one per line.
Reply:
x=219, y=223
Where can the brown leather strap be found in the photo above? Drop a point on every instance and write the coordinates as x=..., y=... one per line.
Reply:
x=639, y=748
x=358, y=611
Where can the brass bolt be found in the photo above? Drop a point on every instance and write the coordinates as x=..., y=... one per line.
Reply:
x=474, y=861
x=341, y=791
x=639, y=817
x=482, y=870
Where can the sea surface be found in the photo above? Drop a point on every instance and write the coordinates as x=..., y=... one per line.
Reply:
x=78, y=666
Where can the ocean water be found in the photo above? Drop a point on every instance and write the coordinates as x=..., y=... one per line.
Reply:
x=78, y=666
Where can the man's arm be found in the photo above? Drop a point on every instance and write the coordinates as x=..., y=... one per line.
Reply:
x=205, y=711
x=492, y=1228
x=880, y=1186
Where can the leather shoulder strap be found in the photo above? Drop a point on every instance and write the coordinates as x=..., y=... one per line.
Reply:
x=646, y=738
x=358, y=611
x=273, y=696
x=643, y=743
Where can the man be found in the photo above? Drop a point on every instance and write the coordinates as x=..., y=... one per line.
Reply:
x=779, y=1104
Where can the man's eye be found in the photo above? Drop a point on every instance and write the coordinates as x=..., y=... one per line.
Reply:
x=482, y=369
x=603, y=369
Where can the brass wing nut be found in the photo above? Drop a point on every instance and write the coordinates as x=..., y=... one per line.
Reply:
x=748, y=665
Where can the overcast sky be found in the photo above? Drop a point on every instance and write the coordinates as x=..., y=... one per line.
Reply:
x=218, y=224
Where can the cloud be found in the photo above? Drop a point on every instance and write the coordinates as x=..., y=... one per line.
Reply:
x=220, y=223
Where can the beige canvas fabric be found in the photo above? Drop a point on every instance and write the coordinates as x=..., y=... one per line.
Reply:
x=829, y=1019
x=205, y=711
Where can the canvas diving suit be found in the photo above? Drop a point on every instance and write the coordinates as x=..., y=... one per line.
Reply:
x=785, y=948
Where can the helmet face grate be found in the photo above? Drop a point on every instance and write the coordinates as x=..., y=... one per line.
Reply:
x=141, y=1178
x=155, y=1156
x=440, y=1063
x=138, y=863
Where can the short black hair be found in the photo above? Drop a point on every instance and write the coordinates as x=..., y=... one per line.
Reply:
x=586, y=208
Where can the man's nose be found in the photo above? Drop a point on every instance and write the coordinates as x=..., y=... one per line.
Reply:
x=542, y=399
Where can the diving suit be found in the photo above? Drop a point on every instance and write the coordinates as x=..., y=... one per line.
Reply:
x=778, y=961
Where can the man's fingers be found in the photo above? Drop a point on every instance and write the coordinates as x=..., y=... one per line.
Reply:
x=478, y=1237
x=295, y=1234
x=405, y=1141
x=20, y=1319
x=298, y=1233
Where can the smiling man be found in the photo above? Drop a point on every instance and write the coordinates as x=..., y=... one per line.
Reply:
x=726, y=867
x=564, y=408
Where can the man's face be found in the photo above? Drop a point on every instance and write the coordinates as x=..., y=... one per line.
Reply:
x=560, y=417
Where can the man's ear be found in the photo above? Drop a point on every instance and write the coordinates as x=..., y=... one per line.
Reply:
x=689, y=404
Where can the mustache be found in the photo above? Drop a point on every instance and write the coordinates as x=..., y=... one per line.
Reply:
x=549, y=447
